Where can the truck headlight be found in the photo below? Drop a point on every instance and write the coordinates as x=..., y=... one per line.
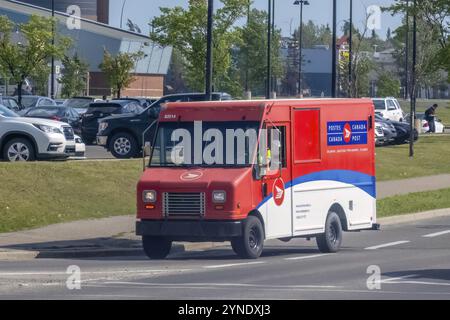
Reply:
x=149, y=196
x=48, y=129
x=219, y=196
x=102, y=126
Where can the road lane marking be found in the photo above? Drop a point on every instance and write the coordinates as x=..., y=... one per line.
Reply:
x=387, y=280
x=233, y=265
x=389, y=244
x=436, y=234
x=56, y=273
x=307, y=257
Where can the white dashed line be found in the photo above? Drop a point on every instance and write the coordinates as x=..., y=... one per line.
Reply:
x=384, y=245
x=307, y=257
x=436, y=234
x=233, y=265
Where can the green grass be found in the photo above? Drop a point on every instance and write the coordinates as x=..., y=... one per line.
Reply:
x=432, y=156
x=443, y=112
x=39, y=194
x=413, y=202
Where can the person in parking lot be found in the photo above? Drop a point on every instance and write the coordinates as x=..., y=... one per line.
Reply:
x=429, y=116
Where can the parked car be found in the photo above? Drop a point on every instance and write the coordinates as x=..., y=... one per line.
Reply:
x=59, y=113
x=144, y=102
x=60, y=102
x=439, y=126
x=402, y=130
x=80, y=148
x=390, y=134
x=123, y=135
x=28, y=139
x=389, y=108
x=99, y=110
x=379, y=135
x=80, y=104
x=10, y=102
x=36, y=101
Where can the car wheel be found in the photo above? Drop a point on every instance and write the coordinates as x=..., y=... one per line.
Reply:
x=251, y=244
x=331, y=239
x=156, y=247
x=123, y=146
x=19, y=149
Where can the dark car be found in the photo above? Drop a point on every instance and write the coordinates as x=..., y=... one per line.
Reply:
x=123, y=135
x=98, y=110
x=10, y=102
x=144, y=102
x=389, y=131
x=79, y=103
x=402, y=130
x=58, y=113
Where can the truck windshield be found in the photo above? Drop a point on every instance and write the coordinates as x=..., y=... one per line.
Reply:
x=199, y=143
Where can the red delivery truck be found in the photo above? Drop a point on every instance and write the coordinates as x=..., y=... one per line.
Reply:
x=250, y=171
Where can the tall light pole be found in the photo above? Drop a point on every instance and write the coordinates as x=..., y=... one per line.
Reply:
x=209, y=55
x=350, y=49
x=333, y=54
x=121, y=14
x=413, y=83
x=274, y=81
x=300, y=44
x=52, y=81
x=269, y=51
x=407, y=51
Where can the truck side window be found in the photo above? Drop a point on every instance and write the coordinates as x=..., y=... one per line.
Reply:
x=307, y=135
x=282, y=137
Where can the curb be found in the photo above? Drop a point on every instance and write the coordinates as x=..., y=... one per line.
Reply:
x=412, y=217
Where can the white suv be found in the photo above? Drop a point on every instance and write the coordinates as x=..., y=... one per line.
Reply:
x=389, y=108
x=28, y=139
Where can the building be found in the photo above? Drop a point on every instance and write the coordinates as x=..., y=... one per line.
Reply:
x=97, y=10
x=89, y=42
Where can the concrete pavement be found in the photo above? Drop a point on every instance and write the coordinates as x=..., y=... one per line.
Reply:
x=405, y=186
x=407, y=261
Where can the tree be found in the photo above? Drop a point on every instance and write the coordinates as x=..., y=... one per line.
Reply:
x=74, y=76
x=40, y=78
x=117, y=69
x=22, y=60
x=185, y=30
x=388, y=85
x=252, y=53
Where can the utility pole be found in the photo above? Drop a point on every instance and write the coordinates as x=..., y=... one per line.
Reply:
x=300, y=46
x=52, y=81
x=350, y=50
x=209, y=56
x=333, y=54
x=247, y=62
x=407, y=51
x=274, y=80
x=413, y=84
x=269, y=51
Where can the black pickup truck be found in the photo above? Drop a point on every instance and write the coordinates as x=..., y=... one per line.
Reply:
x=122, y=134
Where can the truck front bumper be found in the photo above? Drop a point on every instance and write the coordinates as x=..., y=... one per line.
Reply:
x=190, y=230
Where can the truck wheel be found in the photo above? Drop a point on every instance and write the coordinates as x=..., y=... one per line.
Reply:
x=331, y=240
x=156, y=247
x=250, y=245
x=19, y=149
x=123, y=146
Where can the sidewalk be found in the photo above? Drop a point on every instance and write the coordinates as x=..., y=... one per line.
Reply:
x=114, y=236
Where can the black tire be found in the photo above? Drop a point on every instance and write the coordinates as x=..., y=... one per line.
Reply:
x=156, y=247
x=26, y=152
x=331, y=240
x=89, y=140
x=251, y=244
x=123, y=146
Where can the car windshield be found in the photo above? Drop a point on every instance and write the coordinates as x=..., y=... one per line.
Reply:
x=5, y=112
x=219, y=144
x=45, y=112
x=379, y=104
x=28, y=102
x=78, y=103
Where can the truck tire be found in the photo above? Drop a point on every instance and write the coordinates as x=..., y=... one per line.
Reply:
x=19, y=149
x=123, y=146
x=156, y=247
x=331, y=240
x=251, y=244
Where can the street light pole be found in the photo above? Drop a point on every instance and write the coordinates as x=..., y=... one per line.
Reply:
x=121, y=14
x=209, y=56
x=269, y=51
x=52, y=81
x=333, y=54
x=350, y=49
x=413, y=83
x=407, y=51
x=300, y=46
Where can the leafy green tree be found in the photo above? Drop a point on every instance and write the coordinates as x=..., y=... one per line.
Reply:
x=118, y=69
x=22, y=60
x=314, y=34
x=74, y=76
x=40, y=78
x=185, y=30
x=388, y=85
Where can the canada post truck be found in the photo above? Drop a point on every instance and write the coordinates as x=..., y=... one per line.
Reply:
x=250, y=171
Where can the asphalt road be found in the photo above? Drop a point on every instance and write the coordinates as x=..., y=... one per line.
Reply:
x=97, y=153
x=413, y=261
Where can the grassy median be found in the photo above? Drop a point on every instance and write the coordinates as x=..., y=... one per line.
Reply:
x=43, y=193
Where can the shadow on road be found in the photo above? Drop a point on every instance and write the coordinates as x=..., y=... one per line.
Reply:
x=436, y=274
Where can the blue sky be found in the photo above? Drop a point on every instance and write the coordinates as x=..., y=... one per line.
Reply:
x=286, y=16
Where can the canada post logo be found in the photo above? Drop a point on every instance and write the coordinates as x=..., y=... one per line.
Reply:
x=346, y=133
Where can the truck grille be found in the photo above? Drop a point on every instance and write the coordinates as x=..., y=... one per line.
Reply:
x=183, y=204
x=379, y=130
x=68, y=133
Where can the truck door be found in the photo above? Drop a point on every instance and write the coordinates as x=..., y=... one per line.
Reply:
x=278, y=207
